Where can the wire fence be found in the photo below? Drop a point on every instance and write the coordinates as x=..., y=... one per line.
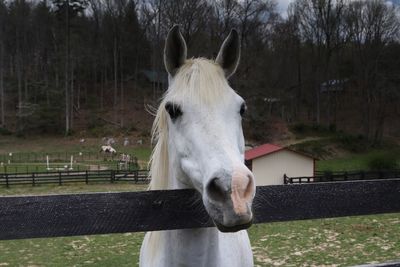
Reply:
x=66, y=166
x=23, y=157
x=63, y=161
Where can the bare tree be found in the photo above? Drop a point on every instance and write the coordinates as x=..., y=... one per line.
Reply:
x=371, y=26
x=320, y=25
x=3, y=13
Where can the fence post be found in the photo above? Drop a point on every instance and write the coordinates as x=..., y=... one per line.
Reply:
x=112, y=176
x=86, y=177
x=7, y=185
x=136, y=176
x=59, y=178
x=33, y=179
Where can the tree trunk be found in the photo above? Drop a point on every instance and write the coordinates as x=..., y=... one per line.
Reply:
x=72, y=97
x=26, y=95
x=19, y=82
x=2, y=96
x=122, y=90
x=67, y=96
x=115, y=73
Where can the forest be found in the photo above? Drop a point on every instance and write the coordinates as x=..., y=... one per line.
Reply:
x=329, y=63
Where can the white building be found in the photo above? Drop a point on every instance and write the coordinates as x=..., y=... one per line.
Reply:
x=269, y=163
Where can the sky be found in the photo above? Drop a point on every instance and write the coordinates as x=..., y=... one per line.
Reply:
x=283, y=4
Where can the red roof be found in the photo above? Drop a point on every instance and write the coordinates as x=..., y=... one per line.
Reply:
x=261, y=151
x=265, y=150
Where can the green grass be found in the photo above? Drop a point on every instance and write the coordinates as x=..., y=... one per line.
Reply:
x=29, y=155
x=356, y=161
x=330, y=242
x=333, y=242
x=71, y=188
x=65, y=146
x=102, y=250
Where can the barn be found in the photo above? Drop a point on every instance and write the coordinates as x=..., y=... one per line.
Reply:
x=270, y=163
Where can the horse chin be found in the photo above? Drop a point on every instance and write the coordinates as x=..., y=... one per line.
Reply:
x=226, y=220
x=231, y=229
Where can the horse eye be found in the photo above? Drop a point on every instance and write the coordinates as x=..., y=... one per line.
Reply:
x=173, y=110
x=243, y=109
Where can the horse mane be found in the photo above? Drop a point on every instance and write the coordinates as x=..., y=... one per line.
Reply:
x=200, y=81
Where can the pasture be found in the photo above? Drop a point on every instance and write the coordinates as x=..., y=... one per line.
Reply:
x=329, y=242
x=29, y=155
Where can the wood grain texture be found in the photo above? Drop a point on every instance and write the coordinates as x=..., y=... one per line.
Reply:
x=102, y=213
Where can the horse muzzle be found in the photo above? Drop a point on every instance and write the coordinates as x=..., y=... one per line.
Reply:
x=228, y=200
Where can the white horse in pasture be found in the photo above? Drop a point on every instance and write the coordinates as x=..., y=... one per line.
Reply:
x=108, y=149
x=200, y=145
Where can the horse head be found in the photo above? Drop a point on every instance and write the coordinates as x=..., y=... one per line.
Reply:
x=199, y=126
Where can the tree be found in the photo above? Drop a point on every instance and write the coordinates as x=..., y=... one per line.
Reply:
x=3, y=19
x=68, y=9
x=371, y=27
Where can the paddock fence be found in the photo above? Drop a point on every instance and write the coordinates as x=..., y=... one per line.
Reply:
x=23, y=157
x=322, y=177
x=24, y=217
x=104, y=213
x=65, y=177
x=66, y=166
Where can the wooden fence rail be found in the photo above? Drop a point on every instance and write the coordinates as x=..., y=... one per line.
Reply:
x=104, y=213
x=63, y=177
x=322, y=177
x=23, y=157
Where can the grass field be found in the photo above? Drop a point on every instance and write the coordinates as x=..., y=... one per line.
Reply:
x=29, y=155
x=67, y=146
x=341, y=161
x=325, y=242
x=329, y=242
x=357, y=161
x=71, y=188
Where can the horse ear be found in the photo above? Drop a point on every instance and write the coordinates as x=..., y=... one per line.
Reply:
x=229, y=54
x=175, y=51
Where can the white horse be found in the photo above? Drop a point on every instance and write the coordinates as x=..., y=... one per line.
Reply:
x=108, y=149
x=200, y=145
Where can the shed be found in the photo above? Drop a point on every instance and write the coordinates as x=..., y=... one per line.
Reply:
x=269, y=163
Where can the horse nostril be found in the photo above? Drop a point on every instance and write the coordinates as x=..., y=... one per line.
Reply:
x=249, y=192
x=216, y=190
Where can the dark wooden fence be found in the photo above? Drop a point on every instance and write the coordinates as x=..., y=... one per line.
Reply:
x=102, y=213
x=63, y=177
x=321, y=177
x=105, y=213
